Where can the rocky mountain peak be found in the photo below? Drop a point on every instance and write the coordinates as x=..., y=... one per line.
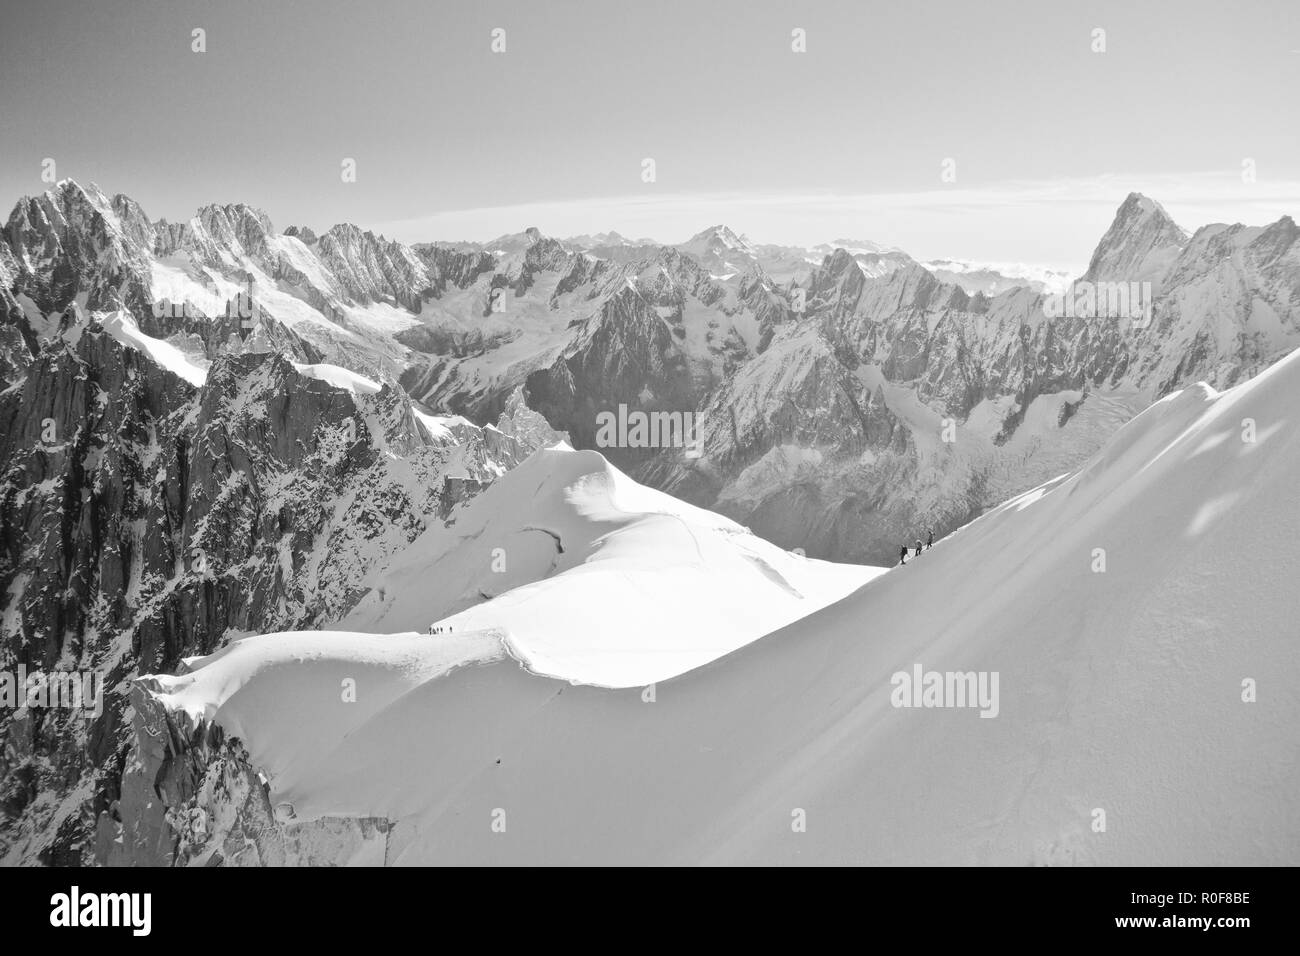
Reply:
x=1141, y=243
x=70, y=240
x=718, y=238
x=302, y=233
x=217, y=232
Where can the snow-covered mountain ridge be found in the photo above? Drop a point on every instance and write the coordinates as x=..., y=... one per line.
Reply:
x=212, y=428
x=847, y=401
x=1136, y=614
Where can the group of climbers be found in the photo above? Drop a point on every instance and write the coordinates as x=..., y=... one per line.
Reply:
x=929, y=543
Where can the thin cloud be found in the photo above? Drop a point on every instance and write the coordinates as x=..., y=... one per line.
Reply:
x=1022, y=216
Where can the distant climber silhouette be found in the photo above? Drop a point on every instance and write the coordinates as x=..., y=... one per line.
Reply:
x=929, y=541
x=902, y=555
x=918, y=546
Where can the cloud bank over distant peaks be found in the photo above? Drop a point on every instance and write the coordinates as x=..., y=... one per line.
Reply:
x=1051, y=223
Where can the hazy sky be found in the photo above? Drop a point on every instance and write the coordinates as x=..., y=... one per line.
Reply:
x=847, y=139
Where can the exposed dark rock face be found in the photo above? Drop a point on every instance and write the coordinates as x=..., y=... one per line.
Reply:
x=190, y=797
x=372, y=269
x=144, y=520
x=450, y=268
x=66, y=247
x=624, y=350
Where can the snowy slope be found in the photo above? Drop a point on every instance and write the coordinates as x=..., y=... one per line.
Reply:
x=122, y=326
x=254, y=677
x=339, y=377
x=590, y=577
x=1119, y=691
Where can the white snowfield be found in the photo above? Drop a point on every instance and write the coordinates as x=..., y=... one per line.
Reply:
x=123, y=327
x=339, y=377
x=1126, y=609
x=584, y=575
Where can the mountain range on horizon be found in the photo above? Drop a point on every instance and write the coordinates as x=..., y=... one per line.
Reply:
x=213, y=429
x=841, y=400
